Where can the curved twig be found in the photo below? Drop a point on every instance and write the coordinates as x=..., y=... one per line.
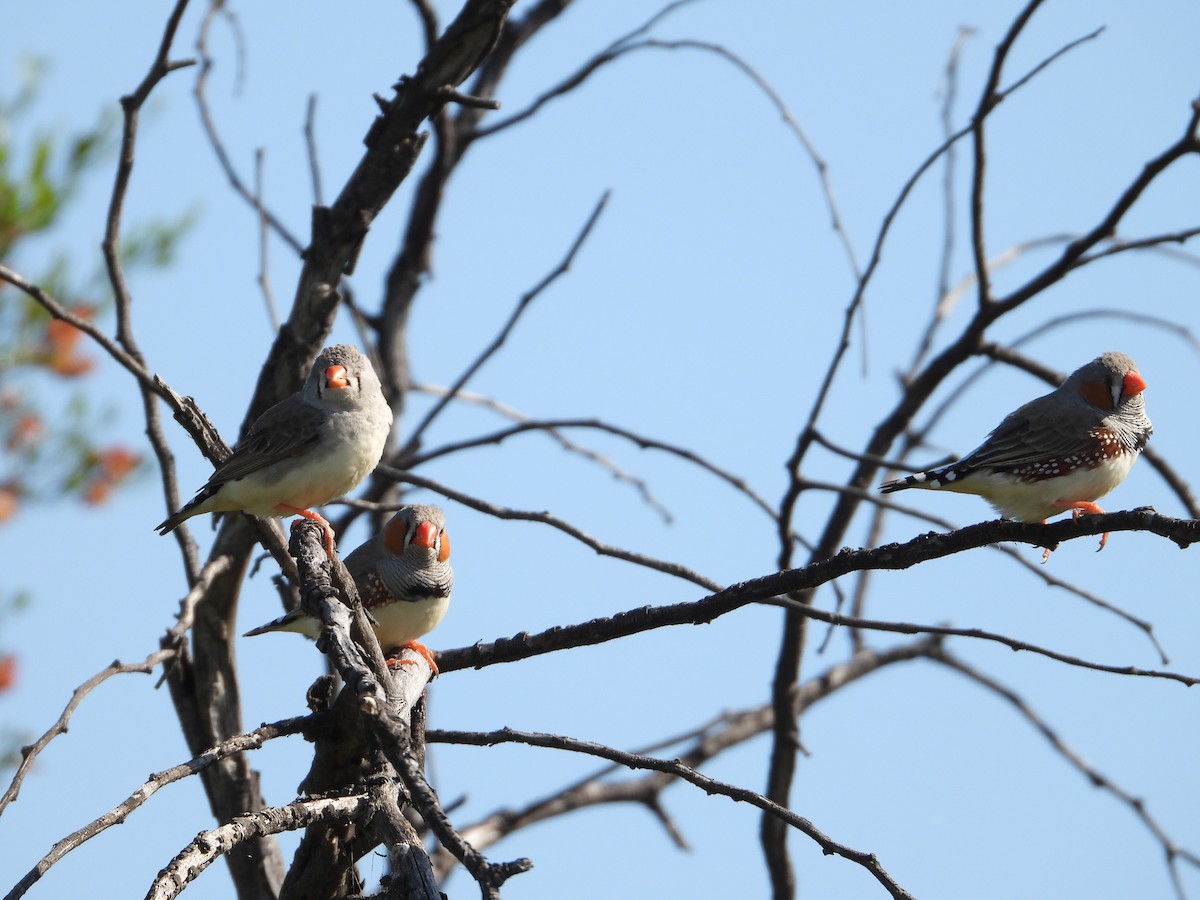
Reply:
x=414, y=439
x=686, y=773
x=1171, y=850
x=118, y=814
x=503, y=512
x=29, y=753
x=209, y=846
x=774, y=589
x=199, y=92
x=552, y=426
x=729, y=730
x=549, y=427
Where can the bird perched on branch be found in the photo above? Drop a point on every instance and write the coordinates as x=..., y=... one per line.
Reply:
x=307, y=449
x=1058, y=452
x=404, y=578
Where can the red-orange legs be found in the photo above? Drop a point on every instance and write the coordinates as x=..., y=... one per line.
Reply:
x=1045, y=550
x=393, y=656
x=1082, y=508
x=315, y=517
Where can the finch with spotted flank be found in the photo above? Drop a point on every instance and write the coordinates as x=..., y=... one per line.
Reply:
x=404, y=578
x=1062, y=451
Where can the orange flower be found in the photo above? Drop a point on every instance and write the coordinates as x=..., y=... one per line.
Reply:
x=27, y=432
x=117, y=462
x=61, y=336
x=60, y=353
x=68, y=365
x=8, y=672
x=9, y=502
x=97, y=492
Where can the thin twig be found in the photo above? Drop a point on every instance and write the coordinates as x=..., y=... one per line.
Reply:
x=503, y=512
x=199, y=92
x=310, y=144
x=551, y=429
x=414, y=438
x=118, y=814
x=775, y=589
x=264, y=236
x=673, y=767
x=611, y=52
x=30, y=752
x=131, y=106
x=1171, y=850
x=209, y=846
x=552, y=426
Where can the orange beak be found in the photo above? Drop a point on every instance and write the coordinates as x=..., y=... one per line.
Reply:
x=1134, y=384
x=425, y=536
x=336, y=377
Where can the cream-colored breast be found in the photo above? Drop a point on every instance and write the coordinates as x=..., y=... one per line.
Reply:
x=402, y=621
x=1033, y=501
x=350, y=448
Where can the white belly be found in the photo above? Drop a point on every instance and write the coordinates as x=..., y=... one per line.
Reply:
x=1033, y=501
x=330, y=470
x=402, y=621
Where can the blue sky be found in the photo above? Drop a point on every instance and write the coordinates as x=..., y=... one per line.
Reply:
x=702, y=311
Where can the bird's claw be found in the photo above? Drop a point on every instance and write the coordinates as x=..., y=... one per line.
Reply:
x=395, y=660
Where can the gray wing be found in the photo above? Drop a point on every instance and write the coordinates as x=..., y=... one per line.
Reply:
x=1031, y=434
x=363, y=559
x=289, y=428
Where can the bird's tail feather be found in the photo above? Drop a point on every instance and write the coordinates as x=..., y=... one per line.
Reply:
x=185, y=512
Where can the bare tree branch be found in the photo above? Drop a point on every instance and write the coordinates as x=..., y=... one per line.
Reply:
x=264, y=236
x=152, y=785
x=30, y=752
x=209, y=846
x=551, y=428
x=728, y=730
x=781, y=587
x=502, y=512
x=686, y=773
x=200, y=93
x=1172, y=852
x=414, y=439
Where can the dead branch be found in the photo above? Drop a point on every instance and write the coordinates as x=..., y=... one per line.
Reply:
x=209, y=846
x=686, y=773
x=29, y=753
x=381, y=712
x=781, y=588
x=1172, y=852
x=728, y=730
x=414, y=439
x=502, y=512
x=157, y=781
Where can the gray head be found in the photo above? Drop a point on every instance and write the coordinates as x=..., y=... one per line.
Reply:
x=414, y=552
x=341, y=377
x=1109, y=384
x=1109, y=391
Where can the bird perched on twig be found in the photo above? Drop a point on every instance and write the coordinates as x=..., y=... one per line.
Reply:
x=404, y=578
x=1058, y=452
x=307, y=449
